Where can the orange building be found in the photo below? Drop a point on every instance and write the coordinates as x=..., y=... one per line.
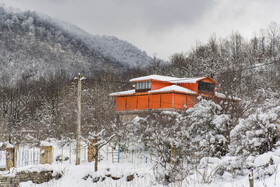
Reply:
x=155, y=92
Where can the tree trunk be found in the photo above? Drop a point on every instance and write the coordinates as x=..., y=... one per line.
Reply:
x=96, y=160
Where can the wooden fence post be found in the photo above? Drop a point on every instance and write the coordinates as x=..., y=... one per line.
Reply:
x=107, y=153
x=251, y=179
x=70, y=153
x=46, y=153
x=22, y=158
x=10, y=156
x=172, y=154
x=33, y=155
x=62, y=156
x=85, y=153
x=112, y=155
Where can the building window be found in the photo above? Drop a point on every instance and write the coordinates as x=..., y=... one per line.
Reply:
x=205, y=86
x=143, y=86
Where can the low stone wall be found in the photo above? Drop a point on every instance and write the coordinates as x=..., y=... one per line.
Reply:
x=35, y=177
x=102, y=178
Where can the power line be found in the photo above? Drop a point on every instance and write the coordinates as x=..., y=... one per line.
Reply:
x=252, y=67
x=226, y=72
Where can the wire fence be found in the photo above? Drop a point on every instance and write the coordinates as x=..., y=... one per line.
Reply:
x=125, y=155
x=66, y=154
x=2, y=159
x=27, y=156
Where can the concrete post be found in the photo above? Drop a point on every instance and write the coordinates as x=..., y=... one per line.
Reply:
x=91, y=150
x=46, y=153
x=10, y=156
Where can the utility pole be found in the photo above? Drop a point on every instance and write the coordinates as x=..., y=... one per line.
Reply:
x=78, y=132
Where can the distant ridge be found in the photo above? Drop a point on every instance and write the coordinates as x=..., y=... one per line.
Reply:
x=34, y=45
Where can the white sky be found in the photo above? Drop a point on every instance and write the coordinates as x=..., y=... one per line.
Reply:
x=160, y=27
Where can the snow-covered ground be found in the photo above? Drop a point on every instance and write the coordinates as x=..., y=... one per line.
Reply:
x=76, y=176
x=266, y=171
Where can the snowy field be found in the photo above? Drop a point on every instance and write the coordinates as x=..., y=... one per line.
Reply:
x=73, y=176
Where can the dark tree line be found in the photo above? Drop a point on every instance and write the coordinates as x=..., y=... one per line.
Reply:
x=48, y=105
x=240, y=66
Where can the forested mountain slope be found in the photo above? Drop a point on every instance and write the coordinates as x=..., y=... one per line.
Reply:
x=34, y=45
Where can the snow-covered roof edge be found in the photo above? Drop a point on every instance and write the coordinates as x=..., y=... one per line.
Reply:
x=8, y=145
x=128, y=92
x=153, y=77
x=173, y=80
x=192, y=80
x=45, y=143
x=173, y=88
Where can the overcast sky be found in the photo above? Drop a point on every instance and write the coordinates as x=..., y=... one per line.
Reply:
x=160, y=27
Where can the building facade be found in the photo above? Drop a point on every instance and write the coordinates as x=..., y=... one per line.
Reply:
x=156, y=92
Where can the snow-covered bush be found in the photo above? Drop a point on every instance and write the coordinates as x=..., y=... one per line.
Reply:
x=256, y=134
x=208, y=129
x=177, y=141
x=166, y=140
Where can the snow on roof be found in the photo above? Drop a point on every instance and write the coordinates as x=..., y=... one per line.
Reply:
x=45, y=143
x=187, y=80
x=8, y=145
x=165, y=89
x=173, y=88
x=174, y=80
x=153, y=77
x=123, y=93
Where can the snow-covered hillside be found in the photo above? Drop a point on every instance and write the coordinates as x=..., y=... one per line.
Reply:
x=33, y=45
x=109, y=46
